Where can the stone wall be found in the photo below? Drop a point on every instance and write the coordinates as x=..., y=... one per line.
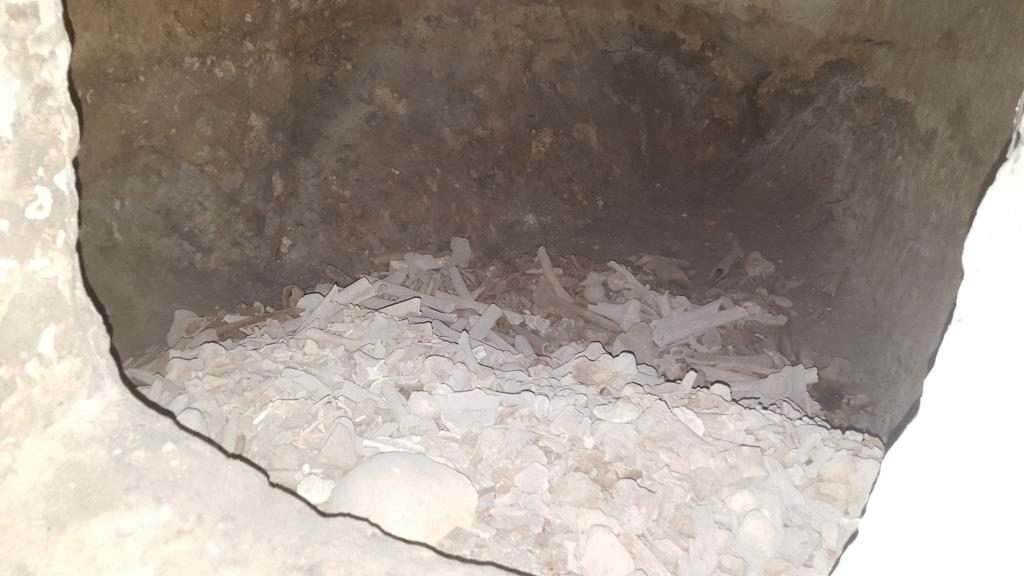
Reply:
x=185, y=111
x=886, y=94
x=91, y=480
x=94, y=482
x=231, y=148
x=957, y=457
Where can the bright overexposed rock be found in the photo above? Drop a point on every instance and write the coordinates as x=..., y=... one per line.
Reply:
x=315, y=489
x=533, y=479
x=603, y=555
x=468, y=410
x=195, y=420
x=758, y=538
x=621, y=411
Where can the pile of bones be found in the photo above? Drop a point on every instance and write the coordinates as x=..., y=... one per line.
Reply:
x=588, y=425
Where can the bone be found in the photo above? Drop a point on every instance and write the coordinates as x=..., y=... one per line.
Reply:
x=482, y=327
x=462, y=254
x=680, y=327
x=458, y=283
x=396, y=291
x=461, y=303
x=549, y=273
x=338, y=276
x=721, y=270
x=643, y=292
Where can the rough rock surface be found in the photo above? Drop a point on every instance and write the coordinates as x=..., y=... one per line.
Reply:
x=91, y=480
x=980, y=526
x=230, y=144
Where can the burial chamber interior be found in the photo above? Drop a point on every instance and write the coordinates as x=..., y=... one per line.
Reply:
x=232, y=148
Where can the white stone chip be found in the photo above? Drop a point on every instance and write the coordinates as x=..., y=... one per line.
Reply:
x=464, y=411
x=758, y=538
x=790, y=383
x=621, y=411
x=408, y=495
x=602, y=554
x=315, y=489
x=533, y=479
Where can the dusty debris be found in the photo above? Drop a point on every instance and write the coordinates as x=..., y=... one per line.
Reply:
x=186, y=324
x=665, y=269
x=291, y=295
x=757, y=266
x=493, y=426
x=538, y=309
x=721, y=270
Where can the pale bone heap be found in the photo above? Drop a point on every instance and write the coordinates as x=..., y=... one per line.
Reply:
x=384, y=402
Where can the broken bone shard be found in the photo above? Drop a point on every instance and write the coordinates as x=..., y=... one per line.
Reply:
x=482, y=327
x=721, y=270
x=418, y=263
x=186, y=323
x=397, y=291
x=639, y=340
x=549, y=273
x=404, y=308
x=680, y=327
x=626, y=315
x=464, y=411
x=791, y=383
x=593, y=288
x=663, y=268
x=407, y=495
x=355, y=292
x=337, y=299
x=290, y=296
x=458, y=282
x=757, y=266
x=195, y=420
x=462, y=254
x=633, y=287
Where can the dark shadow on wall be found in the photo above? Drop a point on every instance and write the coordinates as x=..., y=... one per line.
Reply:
x=97, y=304
x=76, y=101
x=985, y=185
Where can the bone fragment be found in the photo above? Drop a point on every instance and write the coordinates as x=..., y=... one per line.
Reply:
x=549, y=273
x=680, y=327
x=721, y=270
